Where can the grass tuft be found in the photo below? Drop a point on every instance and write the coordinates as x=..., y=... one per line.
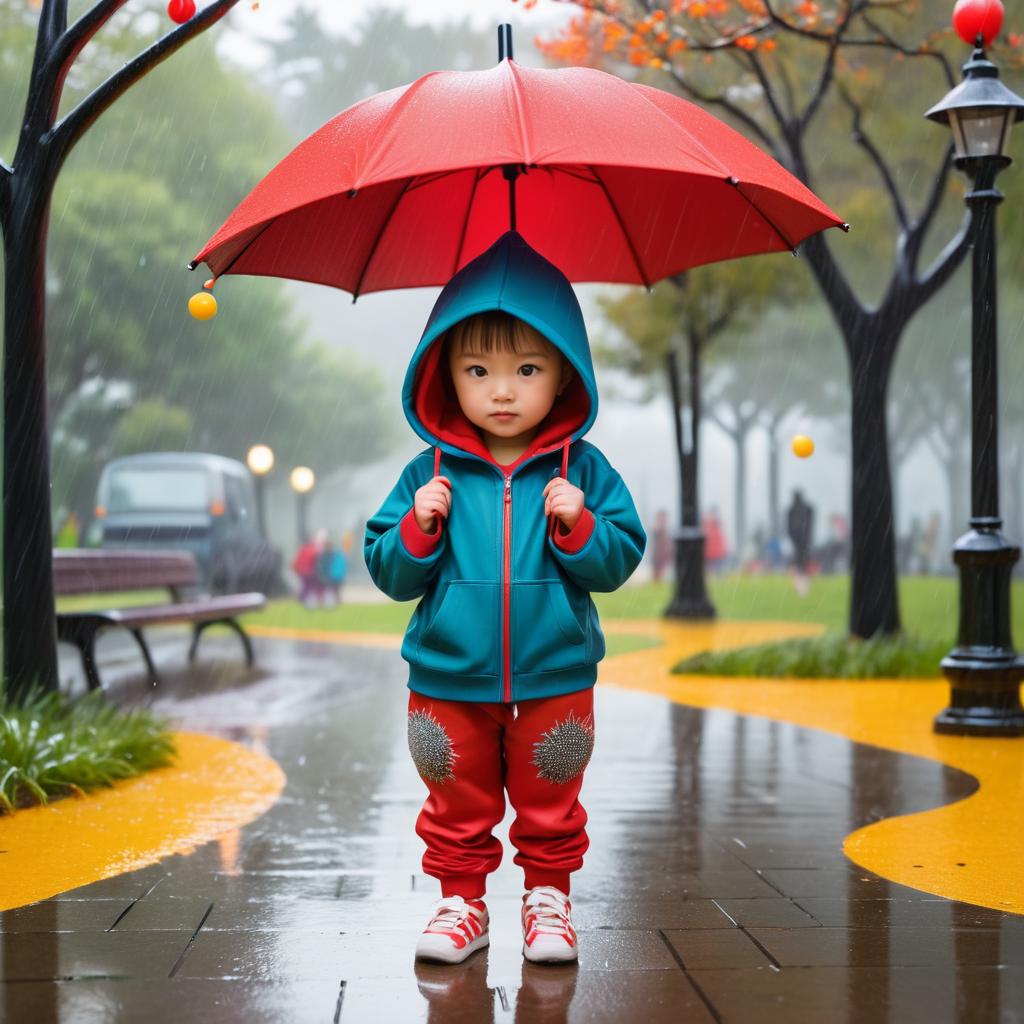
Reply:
x=52, y=746
x=831, y=656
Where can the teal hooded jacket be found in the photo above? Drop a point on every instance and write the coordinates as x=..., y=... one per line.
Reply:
x=505, y=611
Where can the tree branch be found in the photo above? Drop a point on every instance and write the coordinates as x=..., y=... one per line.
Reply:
x=742, y=116
x=946, y=263
x=881, y=166
x=788, y=26
x=73, y=41
x=70, y=128
x=41, y=104
x=769, y=93
x=842, y=301
x=915, y=237
x=888, y=42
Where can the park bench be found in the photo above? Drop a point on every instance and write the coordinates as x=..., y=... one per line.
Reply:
x=103, y=571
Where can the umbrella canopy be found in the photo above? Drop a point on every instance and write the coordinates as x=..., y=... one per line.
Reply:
x=610, y=180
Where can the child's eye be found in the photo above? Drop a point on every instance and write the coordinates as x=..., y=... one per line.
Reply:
x=473, y=373
x=528, y=366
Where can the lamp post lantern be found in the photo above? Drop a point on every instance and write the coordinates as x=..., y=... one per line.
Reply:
x=302, y=480
x=983, y=668
x=260, y=461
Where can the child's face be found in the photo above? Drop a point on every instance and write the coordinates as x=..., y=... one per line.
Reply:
x=507, y=394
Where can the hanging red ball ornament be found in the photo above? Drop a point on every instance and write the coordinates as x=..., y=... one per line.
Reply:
x=181, y=10
x=973, y=16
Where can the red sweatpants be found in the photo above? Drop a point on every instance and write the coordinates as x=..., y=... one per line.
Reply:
x=468, y=754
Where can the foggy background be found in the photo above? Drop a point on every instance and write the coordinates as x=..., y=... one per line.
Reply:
x=186, y=130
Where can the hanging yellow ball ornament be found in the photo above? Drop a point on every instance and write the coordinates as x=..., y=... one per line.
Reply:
x=803, y=446
x=203, y=306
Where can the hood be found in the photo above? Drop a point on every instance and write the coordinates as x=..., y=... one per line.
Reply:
x=513, y=277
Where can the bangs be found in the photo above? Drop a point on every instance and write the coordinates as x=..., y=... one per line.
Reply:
x=494, y=331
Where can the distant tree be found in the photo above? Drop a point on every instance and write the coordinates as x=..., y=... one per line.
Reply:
x=792, y=75
x=663, y=339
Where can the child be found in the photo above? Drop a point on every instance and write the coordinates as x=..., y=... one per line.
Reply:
x=503, y=550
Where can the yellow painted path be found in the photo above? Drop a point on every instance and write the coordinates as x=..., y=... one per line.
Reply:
x=214, y=787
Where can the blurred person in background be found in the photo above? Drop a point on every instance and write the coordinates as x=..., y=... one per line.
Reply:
x=331, y=569
x=305, y=566
x=800, y=527
x=715, y=549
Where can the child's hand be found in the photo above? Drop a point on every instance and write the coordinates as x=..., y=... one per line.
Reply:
x=563, y=500
x=432, y=499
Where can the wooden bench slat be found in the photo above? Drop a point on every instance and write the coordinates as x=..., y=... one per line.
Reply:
x=183, y=612
x=96, y=571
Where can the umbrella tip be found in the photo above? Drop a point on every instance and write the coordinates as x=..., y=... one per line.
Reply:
x=845, y=227
x=504, y=42
x=192, y=264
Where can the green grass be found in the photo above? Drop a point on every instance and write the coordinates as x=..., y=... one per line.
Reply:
x=928, y=603
x=832, y=656
x=51, y=746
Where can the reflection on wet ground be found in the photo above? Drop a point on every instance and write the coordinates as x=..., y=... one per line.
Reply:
x=714, y=888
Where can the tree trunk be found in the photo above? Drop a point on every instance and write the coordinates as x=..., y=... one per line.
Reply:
x=690, y=599
x=30, y=633
x=773, y=481
x=874, y=602
x=741, y=493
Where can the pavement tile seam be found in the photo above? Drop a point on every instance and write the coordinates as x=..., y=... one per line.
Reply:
x=189, y=944
x=701, y=994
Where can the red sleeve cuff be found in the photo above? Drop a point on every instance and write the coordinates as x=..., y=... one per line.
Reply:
x=572, y=541
x=418, y=543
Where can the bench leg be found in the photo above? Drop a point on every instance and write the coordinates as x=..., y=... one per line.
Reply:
x=83, y=636
x=87, y=648
x=197, y=632
x=198, y=627
x=144, y=647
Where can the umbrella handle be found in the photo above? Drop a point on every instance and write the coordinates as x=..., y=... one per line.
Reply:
x=511, y=172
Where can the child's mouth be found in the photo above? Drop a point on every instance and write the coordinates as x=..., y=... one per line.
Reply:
x=503, y=415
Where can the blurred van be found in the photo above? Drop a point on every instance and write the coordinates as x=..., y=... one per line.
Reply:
x=191, y=501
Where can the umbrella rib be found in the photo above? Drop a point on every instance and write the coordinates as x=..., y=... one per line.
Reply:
x=736, y=185
x=565, y=169
x=622, y=226
x=429, y=179
x=465, y=223
x=245, y=248
x=524, y=141
x=380, y=234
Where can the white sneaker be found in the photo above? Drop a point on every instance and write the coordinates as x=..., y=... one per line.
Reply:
x=457, y=929
x=548, y=934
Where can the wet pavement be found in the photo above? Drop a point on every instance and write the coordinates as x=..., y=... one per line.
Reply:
x=714, y=888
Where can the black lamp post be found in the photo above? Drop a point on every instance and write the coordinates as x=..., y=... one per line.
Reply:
x=984, y=669
x=261, y=461
x=302, y=480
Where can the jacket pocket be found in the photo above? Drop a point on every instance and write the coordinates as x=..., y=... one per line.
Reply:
x=463, y=636
x=546, y=632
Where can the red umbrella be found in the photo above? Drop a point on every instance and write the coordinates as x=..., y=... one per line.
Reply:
x=610, y=180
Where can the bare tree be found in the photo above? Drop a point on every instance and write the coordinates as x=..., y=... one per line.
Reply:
x=26, y=189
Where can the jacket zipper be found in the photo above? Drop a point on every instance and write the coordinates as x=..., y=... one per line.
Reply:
x=506, y=610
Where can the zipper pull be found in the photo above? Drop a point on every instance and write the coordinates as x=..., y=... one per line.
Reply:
x=508, y=489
